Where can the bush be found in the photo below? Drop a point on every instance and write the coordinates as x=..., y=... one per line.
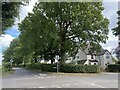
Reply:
x=114, y=68
x=18, y=65
x=6, y=66
x=42, y=67
x=69, y=68
x=48, y=67
x=34, y=66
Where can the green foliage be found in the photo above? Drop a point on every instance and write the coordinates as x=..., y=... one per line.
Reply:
x=48, y=67
x=36, y=66
x=10, y=11
x=70, y=68
x=114, y=60
x=13, y=52
x=114, y=68
x=6, y=66
x=66, y=68
x=42, y=67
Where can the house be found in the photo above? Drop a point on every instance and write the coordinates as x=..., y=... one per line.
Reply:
x=86, y=58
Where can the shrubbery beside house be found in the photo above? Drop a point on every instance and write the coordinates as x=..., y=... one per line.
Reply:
x=6, y=66
x=114, y=68
x=66, y=68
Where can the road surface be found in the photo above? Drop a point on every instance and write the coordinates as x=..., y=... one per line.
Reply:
x=23, y=78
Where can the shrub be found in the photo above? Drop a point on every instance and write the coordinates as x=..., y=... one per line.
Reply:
x=69, y=68
x=6, y=66
x=48, y=67
x=114, y=68
x=42, y=67
x=36, y=66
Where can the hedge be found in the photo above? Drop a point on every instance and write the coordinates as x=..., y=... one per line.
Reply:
x=66, y=68
x=42, y=67
x=34, y=66
x=6, y=66
x=114, y=68
x=69, y=68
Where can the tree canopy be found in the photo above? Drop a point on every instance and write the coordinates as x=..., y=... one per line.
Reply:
x=116, y=32
x=55, y=28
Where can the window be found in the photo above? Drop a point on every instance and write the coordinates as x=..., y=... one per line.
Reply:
x=107, y=56
x=94, y=63
x=91, y=56
x=77, y=57
x=78, y=62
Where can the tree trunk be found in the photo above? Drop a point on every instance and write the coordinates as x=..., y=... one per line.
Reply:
x=52, y=61
x=35, y=59
x=62, y=61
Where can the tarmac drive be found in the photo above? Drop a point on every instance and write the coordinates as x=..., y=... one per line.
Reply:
x=23, y=78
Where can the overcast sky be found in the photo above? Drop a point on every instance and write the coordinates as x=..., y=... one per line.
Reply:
x=110, y=10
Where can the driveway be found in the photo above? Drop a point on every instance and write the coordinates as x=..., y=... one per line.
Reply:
x=23, y=78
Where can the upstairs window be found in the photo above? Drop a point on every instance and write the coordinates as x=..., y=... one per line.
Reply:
x=107, y=56
x=77, y=57
x=78, y=62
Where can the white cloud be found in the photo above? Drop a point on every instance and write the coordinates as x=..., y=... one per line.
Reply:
x=111, y=0
x=1, y=58
x=111, y=43
x=5, y=40
x=110, y=12
x=26, y=9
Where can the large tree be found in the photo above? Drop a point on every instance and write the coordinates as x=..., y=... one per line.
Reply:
x=13, y=53
x=116, y=32
x=17, y=52
x=72, y=24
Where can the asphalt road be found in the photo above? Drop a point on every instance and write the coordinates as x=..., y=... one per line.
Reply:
x=28, y=79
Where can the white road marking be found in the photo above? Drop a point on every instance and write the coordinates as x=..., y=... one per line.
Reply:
x=96, y=85
x=42, y=74
x=42, y=87
x=55, y=86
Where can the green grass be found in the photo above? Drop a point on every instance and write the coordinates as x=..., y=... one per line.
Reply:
x=5, y=73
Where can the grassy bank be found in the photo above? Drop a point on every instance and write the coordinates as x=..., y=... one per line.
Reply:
x=5, y=73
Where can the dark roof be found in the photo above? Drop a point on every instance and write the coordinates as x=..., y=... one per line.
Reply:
x=103, y=52
x=93, y=60
x=92, y=54
x=117, y=49
x=82, y=61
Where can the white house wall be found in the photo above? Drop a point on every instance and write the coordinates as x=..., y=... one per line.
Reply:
x=82, y=56
x=89, y=57
x=87, y=62
x=107, y=60
x=104, y=61
x=93, y=63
